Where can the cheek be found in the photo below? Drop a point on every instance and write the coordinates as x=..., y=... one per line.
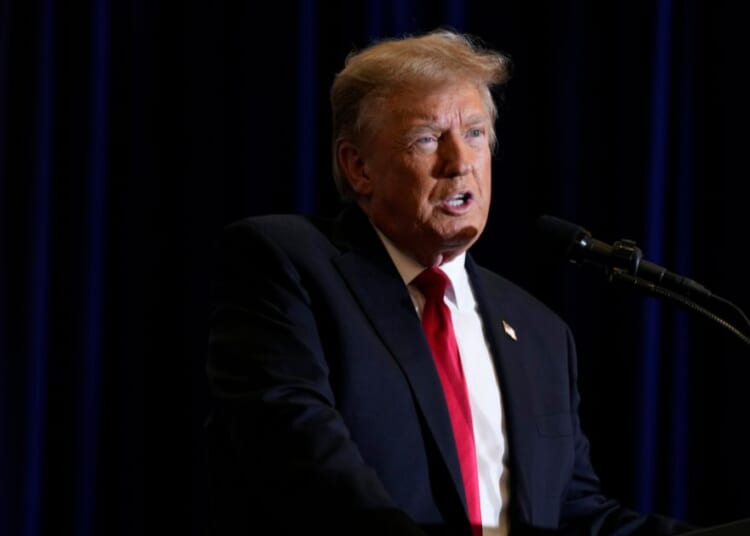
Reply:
x=411, y=187
x=485, y=178
x=396, y=198
x=406, y=188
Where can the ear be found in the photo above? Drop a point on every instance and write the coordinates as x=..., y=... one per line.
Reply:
x=352, y=165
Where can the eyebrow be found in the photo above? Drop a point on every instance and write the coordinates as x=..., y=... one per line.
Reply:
x=428, y=122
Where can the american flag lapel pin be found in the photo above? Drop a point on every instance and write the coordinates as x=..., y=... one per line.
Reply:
x=509, y=331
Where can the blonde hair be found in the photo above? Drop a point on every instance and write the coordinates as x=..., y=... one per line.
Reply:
x=440, y=57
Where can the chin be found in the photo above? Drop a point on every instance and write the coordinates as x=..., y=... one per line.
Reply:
x=463, y=237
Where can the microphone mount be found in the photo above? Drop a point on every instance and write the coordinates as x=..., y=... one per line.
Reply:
x=626, y=253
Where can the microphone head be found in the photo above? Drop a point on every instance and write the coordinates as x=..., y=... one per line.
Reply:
x=562, y=238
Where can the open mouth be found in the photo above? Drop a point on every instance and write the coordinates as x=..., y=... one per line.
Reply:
x=458, y=200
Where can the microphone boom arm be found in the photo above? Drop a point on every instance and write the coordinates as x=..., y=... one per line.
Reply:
x=619, y=276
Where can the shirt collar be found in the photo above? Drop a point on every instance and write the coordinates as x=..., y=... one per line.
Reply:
x=459, y=291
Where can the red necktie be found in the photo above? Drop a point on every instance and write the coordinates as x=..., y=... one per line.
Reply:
x=438, y=326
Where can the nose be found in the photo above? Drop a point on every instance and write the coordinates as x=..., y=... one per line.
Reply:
x=455, y=156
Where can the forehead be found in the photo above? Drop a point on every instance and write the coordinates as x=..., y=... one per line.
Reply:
x=456, y=102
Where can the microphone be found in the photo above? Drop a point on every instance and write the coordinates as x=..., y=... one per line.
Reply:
x=622, y=258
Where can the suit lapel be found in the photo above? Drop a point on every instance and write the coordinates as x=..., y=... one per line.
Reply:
x=511, y=364
x=382, y=295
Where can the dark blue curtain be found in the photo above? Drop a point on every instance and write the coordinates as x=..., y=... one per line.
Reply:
x=132, y=132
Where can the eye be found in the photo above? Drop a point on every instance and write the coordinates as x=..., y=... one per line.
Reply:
x=425, y=143
x=475, y=133
x=426, y=139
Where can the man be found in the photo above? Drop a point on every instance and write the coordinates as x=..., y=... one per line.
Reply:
x=337, y=411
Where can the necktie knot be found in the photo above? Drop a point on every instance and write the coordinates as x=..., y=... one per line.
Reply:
x=432, y=283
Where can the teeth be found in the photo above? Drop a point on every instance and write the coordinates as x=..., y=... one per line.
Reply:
x=457, y=200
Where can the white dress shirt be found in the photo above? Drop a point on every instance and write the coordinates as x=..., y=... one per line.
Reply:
x=481, y=383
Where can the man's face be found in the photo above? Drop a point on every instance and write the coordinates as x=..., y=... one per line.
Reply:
x=428, y=171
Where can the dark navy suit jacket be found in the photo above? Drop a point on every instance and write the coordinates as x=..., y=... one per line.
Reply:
x=329, y=411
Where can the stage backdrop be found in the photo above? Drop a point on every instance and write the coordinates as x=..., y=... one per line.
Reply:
x=131, y=132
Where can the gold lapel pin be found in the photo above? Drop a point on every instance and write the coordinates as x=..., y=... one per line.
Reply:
x=509, y=331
